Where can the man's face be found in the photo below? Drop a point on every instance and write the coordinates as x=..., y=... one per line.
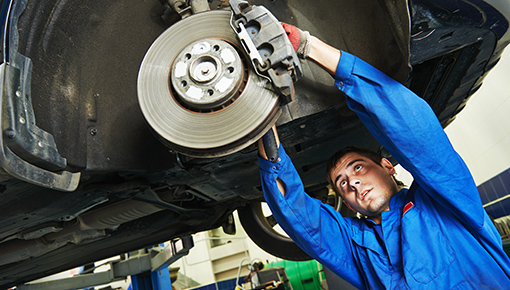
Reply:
x=365, y=186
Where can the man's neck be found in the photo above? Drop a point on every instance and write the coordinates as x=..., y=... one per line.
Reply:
x=376, y=219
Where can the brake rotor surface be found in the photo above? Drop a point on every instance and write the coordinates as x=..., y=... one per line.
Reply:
x=196, y=92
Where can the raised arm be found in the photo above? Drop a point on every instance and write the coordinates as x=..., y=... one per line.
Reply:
x=407, y=127
x=262, y=154
x=307, y=221
x=402, y=122
x=324, y=54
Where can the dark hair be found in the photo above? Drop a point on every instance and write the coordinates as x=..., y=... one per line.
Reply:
x=365, y=152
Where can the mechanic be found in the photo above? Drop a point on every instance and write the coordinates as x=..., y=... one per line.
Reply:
x=434, y=235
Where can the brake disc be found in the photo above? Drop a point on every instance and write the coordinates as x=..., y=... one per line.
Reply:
x=197, y=91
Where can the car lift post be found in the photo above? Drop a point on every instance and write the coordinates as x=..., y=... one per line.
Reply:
x=155, y=261
x=158, y=279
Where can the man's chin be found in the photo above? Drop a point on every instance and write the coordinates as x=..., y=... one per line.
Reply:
x=376, y=209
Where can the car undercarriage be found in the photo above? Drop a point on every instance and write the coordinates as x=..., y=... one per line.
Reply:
x=105, y=150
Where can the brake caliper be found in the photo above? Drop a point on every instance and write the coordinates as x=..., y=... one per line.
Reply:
x=267, y=45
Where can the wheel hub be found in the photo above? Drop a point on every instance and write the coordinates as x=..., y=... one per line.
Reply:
x=207, y=75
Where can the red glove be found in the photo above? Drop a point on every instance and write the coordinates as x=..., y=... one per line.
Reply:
x=299, y=39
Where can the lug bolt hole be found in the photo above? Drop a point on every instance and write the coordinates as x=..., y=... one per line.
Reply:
x=210, y=92
x=230, y=69
x=187, y=56
x=216, y=47
x=184, y=83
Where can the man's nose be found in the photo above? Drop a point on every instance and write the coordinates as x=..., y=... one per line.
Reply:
x=355, y=183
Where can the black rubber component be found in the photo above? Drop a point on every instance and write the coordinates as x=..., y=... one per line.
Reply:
x=261, y=231
x=270, y=146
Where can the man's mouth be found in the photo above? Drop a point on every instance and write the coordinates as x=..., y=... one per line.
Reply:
x=364, y=193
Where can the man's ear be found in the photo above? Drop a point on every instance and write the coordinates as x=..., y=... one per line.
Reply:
x=386, y=164
x=348, y=205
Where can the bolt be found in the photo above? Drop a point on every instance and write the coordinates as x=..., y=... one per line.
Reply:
x=11, y=134
x=93, y=131
x=18, y=94
x=40, y=144
x=22, y=120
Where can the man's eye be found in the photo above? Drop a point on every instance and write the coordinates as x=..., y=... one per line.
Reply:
x=358, y=167
x=343, y=183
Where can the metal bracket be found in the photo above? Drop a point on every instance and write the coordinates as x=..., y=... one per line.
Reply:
x=187, y=8
x=120, y=269
x=266, y=43
x=150, y=196
x=177, y=249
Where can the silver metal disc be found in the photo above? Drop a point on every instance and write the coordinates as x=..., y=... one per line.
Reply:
x=197, y=133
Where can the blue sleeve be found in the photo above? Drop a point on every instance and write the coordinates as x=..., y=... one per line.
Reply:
x=317, y=228
x=406, y=126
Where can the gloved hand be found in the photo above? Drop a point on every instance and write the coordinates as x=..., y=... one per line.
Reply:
x=300, y=40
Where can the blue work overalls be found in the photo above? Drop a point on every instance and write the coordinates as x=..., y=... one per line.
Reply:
x=441, y=238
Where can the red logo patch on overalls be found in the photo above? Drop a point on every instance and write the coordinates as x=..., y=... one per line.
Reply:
x=407, y=207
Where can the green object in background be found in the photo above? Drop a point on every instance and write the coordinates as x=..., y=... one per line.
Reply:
x=506, y=246
x=306, y=275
